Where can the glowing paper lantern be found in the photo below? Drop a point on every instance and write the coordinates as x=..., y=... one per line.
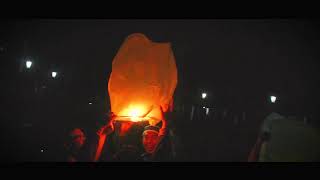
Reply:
x=143, y=79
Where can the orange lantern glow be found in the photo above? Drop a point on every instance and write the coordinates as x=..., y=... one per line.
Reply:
x=143, y=79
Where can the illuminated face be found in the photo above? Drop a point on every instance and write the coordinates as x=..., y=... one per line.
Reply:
x=150, y=140
x=79, y=140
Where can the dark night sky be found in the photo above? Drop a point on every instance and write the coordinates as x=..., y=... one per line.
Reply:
x=248, y=58
x=230, y=58
x=273, y=55
x=265, y=53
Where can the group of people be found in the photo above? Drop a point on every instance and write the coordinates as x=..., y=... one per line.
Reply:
x=122, y=141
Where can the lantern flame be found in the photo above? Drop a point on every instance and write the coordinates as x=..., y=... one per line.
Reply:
x=134, y=113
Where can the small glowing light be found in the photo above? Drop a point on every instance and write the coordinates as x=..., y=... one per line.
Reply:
x=42, y=150
x=134, y=113
x=54, y=74
x=204, y=95
x=90, y=103
x=273, y=99
x=28, y=64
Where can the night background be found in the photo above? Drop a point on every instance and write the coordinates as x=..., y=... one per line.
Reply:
x=239, y=63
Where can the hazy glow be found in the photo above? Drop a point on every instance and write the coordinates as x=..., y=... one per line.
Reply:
x=54, y=74
x=134, y=113
x=28, y=64
x=204, y=95
x=273, y=99
x=207, y=111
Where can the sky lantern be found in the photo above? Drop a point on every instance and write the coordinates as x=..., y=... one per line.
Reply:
x=143, y=79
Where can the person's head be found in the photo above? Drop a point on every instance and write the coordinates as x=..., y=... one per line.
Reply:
x=150, y=138
x=77, y=138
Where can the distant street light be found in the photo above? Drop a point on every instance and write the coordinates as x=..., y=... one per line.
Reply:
x=204, y=95
x=273, y=99
x=54, y=74
x=28, y=64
